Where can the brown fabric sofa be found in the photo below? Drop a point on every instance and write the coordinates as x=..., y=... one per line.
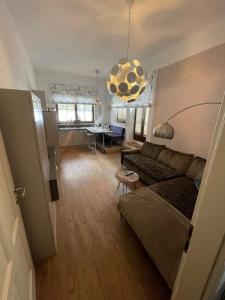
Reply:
x=160, y=213
x=155, y=163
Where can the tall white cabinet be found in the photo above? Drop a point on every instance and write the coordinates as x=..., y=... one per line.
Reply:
x=22, y=126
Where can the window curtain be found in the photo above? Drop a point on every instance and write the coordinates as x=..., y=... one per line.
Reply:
x=143, y=100
x=62, y=93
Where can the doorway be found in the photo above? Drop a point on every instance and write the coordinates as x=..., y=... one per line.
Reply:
x=141, y=123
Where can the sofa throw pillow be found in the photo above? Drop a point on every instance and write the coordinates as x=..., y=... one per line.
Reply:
x=176, y=160
x=198, y=180
x=196, y=167
x=151, y=150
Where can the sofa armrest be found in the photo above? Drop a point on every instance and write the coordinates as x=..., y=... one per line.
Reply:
x=128, y=152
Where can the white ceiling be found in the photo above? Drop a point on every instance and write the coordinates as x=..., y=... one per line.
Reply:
x=79, y=36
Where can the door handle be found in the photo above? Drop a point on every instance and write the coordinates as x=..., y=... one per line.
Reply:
x=19, y=192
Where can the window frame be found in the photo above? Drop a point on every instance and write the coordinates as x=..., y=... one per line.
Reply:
x=117, y=118
x=76, y=113
x=140, y=137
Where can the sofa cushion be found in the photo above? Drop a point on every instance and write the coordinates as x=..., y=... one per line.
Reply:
x=175, y=160
x=145, y=178
x=179, y=192
x=151, y=167
x=162, y=172
x=151, y=150
x=161, y=228
x=141, y=161
x=196, y=167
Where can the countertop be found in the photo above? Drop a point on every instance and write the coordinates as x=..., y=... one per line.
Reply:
x=72, y=128
x=90, y=128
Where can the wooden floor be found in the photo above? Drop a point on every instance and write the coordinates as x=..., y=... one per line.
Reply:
x=99, y=256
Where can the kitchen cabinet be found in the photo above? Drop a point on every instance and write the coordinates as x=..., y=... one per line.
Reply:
x=73, y=137
x=66, y=138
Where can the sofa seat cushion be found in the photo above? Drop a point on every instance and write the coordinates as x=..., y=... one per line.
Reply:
x=160, y=227
x=143, y=162
x=151, y=150
x=113, y=134
x=179, y=192
x=175, y=160
x=151, y=167
x=162, y=172
x=145, y=178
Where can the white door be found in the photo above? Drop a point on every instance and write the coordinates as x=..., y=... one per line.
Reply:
x=17, y=277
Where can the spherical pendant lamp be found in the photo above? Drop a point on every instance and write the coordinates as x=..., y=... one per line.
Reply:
x=127, y=78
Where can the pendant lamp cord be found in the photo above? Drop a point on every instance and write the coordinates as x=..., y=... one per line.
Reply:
x=97, y=85
x=130, y=3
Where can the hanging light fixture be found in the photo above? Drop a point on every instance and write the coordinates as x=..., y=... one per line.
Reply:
x=97, y=99
x=127, y=78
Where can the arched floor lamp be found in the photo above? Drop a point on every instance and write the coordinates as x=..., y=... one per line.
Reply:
x=166, y=131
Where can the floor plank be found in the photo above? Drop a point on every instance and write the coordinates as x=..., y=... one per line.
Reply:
x=99, y=256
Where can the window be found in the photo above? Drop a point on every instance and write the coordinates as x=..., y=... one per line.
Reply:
x=141, y=123
x=66, y=113
x=85, y=112
x=121, y=115
x=75, y=112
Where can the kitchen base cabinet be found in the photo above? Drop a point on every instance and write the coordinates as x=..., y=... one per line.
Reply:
x=70, y=138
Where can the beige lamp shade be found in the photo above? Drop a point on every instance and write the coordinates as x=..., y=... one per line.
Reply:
x=164, y=131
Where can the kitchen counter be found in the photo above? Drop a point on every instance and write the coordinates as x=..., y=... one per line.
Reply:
x=83, y=126
x=72, y=128
x=76, y=136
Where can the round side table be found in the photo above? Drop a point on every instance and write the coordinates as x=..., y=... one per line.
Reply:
x=122, y=177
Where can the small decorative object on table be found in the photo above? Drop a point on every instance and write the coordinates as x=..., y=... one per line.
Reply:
x=126, y=176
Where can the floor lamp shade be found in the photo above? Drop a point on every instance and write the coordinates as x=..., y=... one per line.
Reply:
x=164, y=131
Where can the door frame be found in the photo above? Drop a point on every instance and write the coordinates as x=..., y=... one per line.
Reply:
x=197, y=266
x=140, y=137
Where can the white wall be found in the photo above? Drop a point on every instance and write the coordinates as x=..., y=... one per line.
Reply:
x=199, y=78
x=45, y=78
x=15, y=67
x=208, y=37
x=202, y=40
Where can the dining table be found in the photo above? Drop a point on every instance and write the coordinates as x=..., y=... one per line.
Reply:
x=97, y=131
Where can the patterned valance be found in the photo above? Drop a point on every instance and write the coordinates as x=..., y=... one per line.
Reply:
x=62, y=93
x=143, y=101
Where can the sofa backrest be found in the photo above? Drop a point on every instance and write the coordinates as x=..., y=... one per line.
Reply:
x=117, y=129
x=196, y=167
x=176, y=160
x=151, y=150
